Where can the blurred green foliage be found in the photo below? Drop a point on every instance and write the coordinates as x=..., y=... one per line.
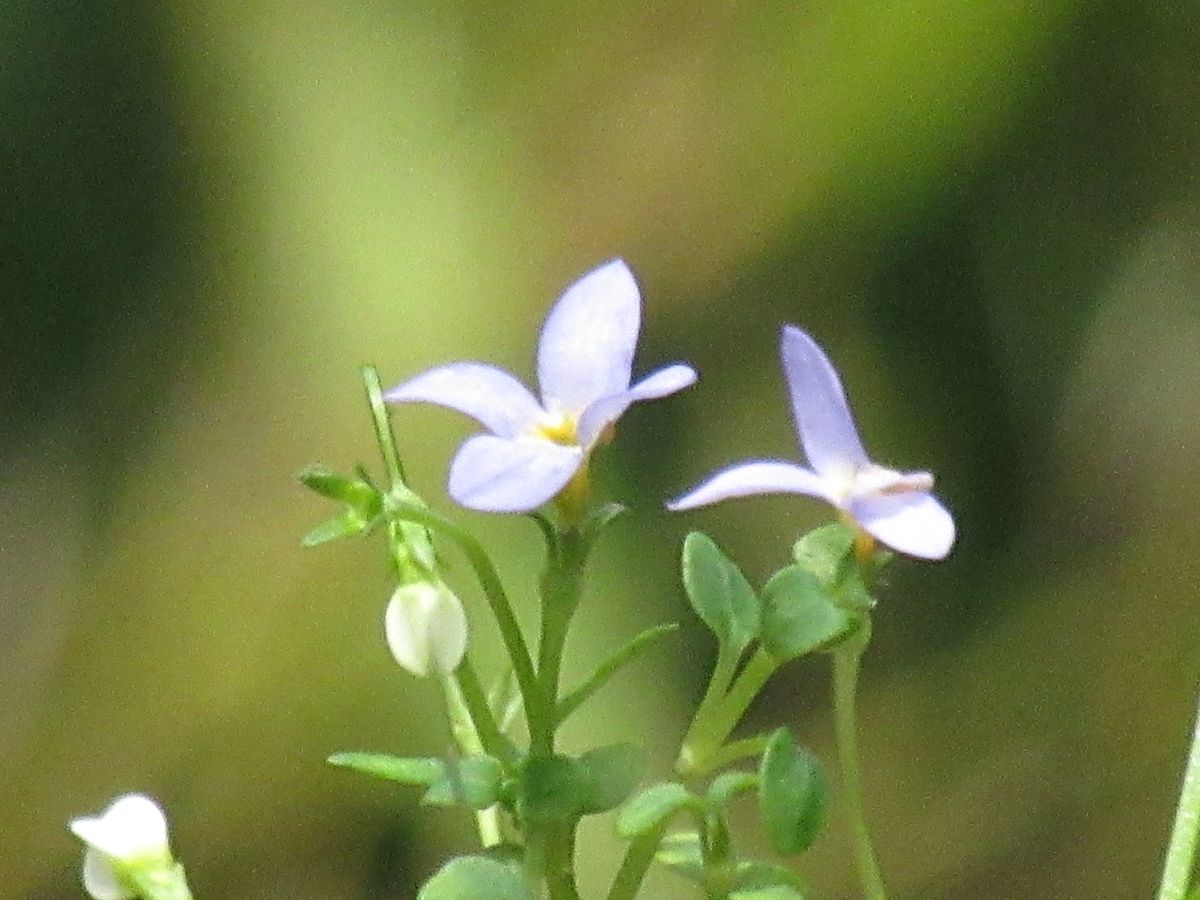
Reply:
x=214, y=212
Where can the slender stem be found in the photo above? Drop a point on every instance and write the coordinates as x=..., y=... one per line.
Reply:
x=561, y=586
x=628, y=880
x=383, y=426
x=475, y=702
x=1177, y=867
x=846, y=660
x=709, y=732
x=736, y=750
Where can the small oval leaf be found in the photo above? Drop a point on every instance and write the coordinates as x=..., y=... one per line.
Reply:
x=653, y=806
x=719, y=592
x=791, y=794
x=799, y=615
x=475, y=878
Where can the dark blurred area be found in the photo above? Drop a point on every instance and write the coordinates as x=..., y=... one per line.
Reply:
x=213, y=213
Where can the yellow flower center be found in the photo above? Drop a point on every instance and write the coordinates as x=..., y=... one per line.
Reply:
x=558, y=430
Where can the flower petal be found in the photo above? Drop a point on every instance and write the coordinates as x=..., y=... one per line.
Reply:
x=494, y=474
x=748, y=479
x=819, y=406
x=913, y=522
x=607, y=410
x=491, y=396
x=586, y=348
x=100, y=881
x=133, y=826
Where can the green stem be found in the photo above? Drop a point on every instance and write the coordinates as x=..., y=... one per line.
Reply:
x=561, y=586
x=628, y=880
x=475, y=702
x=846, y=660
x=462, y=695
x=1181, y=851
x=709, y=732
x=383, y=426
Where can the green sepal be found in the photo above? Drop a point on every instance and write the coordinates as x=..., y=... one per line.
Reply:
x=728, y=785
x=475, y=878
x=719, y=592
x=422, y=771
x=792, y=791
x=348, y=524
x=799, y=614
x=473, y=781
x=613, y=664
x=650, y=808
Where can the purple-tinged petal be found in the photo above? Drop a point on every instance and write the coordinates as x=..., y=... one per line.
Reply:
x=605, y=411
x=913, y=522
x=748, y=479
x=819, y=406
x=489, y=395
x=586, y=348
x=495, y=474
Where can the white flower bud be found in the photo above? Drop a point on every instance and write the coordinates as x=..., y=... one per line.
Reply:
x=426, y=628
x=130, y=836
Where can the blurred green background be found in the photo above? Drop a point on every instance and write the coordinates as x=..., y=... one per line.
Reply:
x=214, y=211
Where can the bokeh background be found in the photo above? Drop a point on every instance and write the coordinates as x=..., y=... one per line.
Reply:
x=212, y=212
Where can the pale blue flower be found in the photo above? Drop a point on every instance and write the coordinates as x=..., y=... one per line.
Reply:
x=534, y=447
x=896, y=508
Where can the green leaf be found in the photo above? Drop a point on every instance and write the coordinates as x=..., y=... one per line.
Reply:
x=347, y=524
x=728, y=785
x=550, y=791
x=799, y=615
x=475, y=878
x=791, y=794
x=772, y=892
x=607, y=669
x=647, y=810
x=421, y=771
x=606, y=776
x=472, y=781
x=683, y=855
x=755, y=875
x=825, y=550
x=356, y=493
x=719, y=592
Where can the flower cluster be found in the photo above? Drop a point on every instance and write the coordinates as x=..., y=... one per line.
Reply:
x=538, y=450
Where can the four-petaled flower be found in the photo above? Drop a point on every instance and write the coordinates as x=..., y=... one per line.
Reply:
x=896, y=508
x=584, y=366
x=128, y=838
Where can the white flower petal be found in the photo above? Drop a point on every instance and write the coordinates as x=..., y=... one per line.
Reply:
x=604, y=412
x=912, y=522
x=100, y=881
x=587, y=344
x=494, y=474
x=748, y=479
x=404, y=627
x=132, y=827
x=447, y=633
x=823, y=419
x=491, y=396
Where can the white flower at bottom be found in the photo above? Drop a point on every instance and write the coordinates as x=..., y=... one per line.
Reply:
x=130, y=836
x=426, y=628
